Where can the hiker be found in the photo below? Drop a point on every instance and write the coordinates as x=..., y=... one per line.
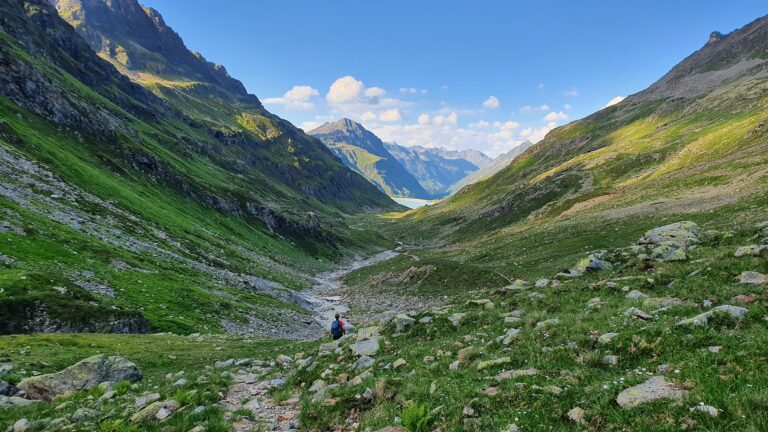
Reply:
x=337, y=328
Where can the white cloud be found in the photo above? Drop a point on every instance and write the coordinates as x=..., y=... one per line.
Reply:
x=310, y=125
x=567, y=107
x=614, y=101
x=508, y=125
x=367, y=116
x=492, y=102
x=482, y=124
x=345, y=89
x=295, y=98
x=392, y=115
x=412, y=90
x=529, y=108
x=536, y=135
x=555, y=116
x=424, y=119
x=374, y=92
x=573, y=92
x=450, y=119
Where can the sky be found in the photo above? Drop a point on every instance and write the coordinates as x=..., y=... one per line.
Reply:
x=485, y=75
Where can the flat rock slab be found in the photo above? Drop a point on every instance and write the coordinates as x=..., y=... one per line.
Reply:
x=365, y=348
x=655, y=388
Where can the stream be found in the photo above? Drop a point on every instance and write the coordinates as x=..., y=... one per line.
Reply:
x=323, y=298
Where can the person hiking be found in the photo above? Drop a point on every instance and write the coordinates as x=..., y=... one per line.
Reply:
x=337, y=328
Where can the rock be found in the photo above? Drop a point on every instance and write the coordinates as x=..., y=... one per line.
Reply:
x=180, y=383
x=751, y=250
x=454, y=365
x=656, y=387
x=702, y=319
x=364, y=362
x=168, y=407
x=84, y=414
x=541, y=325
x=224, y=364
x=512, y=320
x=83, y=375
x=633, y=311
x=611, y=360
x=360, y=378
x=516, y=374
x=554, y=390
x=108, y=395
x=456, y=318
x=317, y=385
x=594, y=303
x=367, y=347
x=403, y=322
x=481, y=302
x=426, y=320
x=15, y=401
x=252, y=405
x=495, y=362
x=753, y=278
x=662, y=302
x=679, y=234
x=668, y=253
x=714, y=349
x=399, y=363
x=606, y=338
x=542, y=283
x=283, y=360
x=7, y=389
x=21, y=425
x=576, y=415
x=145, y=400
x=744, y=298
x=712, y=411
x=329, y=347
x=635, y=295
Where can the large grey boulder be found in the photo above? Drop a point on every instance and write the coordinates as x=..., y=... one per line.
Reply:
x=83, y=375
x=702, y=319
x=679, y=235
x=656, y=387
x=753, y=278
x=365, y=348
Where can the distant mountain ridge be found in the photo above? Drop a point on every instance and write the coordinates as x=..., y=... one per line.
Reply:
x=437, y=169
x=364, y=152
x=495, y=166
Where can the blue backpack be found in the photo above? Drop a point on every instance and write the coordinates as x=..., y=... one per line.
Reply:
x=336, y=329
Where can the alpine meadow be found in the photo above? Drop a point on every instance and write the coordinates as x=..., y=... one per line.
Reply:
x=443, y=224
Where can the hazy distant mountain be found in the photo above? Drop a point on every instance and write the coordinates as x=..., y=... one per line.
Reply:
x=495, y=166
x=438, y=168
x=364, y=152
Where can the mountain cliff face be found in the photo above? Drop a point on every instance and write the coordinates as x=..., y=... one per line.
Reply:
x=695, y=139
x=437, y=169
x=492, y=168
x=364, y=152
x=150, y=191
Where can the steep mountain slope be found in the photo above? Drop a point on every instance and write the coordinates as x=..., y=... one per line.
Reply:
x=693, y=141
x=179, y=205
x=437, y=168
x=364, y=152
x=495, y=166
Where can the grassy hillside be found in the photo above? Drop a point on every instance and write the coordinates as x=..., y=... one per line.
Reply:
x=126, y=210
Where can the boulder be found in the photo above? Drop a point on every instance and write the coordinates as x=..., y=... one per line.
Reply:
x=83, y=375
x=753, y=278
x=656, y=387
x=702, y=319
x=7, y=389
x=364, y=362
x=666, y=253
x=751, y=250
x=576, y=415
x=633, y=311
x=15, y=401
x=541, y=325
x=636, y=295
x=367, y=347
x=368, y=333
x=606, y=338
x=159, y=410
x=679, y=234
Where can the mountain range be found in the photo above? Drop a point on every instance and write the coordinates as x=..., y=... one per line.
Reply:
x=491, y=168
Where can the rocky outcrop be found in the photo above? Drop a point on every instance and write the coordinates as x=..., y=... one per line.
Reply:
x=84, y=375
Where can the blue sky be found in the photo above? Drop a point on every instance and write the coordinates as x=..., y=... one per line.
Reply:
x=458, y=74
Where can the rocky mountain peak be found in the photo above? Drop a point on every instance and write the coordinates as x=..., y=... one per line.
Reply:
x=715, y=36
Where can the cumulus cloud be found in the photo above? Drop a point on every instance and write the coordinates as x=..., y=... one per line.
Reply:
x=389, y=116
x=345, y=89
x=536, y=135
x=482, y=124
x=450, y=119
x=614, y=101
x=374, y=92
x=508, y=125
x=555, y=116
x=423, y=119
x=529, y=108
x=367, y=116
x=492, y=102
x=296, y=98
